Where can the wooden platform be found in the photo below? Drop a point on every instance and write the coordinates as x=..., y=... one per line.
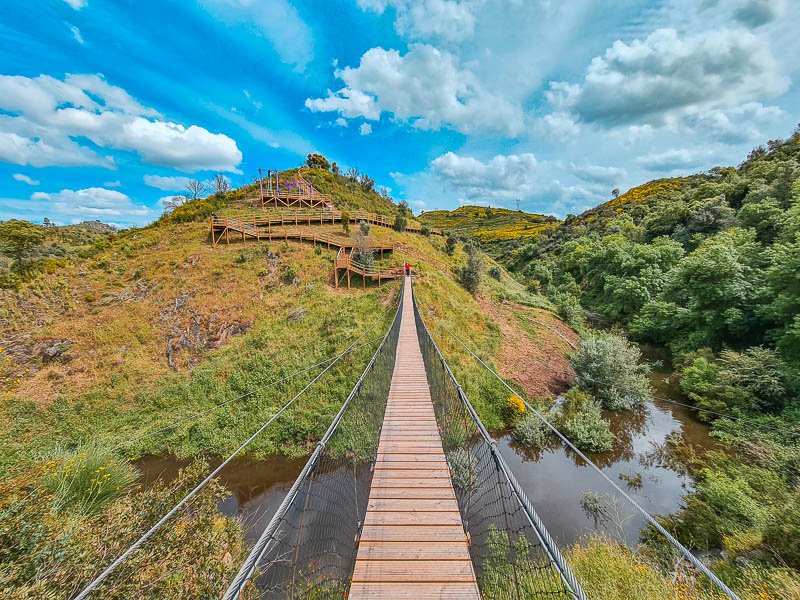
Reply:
x=413, y=543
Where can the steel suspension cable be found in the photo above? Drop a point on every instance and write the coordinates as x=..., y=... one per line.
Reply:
x=649, y=518
x=263, y=543
x=242, y=396
x=138, y=543
x=546, y=540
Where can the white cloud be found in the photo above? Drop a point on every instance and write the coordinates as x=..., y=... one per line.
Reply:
x=257, y=105
x=341, y=122
x=25, y=179
x=668, y=76
x=449, y=20
x=598, y=174
x=111, y=184
x=46, y=114
x=276, y=20
x=73, y=206
x=738, y=125
x=559, y=126
x=76, y=33
x=365, y=129
x=508, y=176
x=76, y=4
x=57, y=150
x=168, y=184
x=425, y=87
x=673, y=160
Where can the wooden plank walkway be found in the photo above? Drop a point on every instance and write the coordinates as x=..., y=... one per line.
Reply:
x=413, y=543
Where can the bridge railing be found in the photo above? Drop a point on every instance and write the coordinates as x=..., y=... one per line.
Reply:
x=512, y=552
x=309, y=547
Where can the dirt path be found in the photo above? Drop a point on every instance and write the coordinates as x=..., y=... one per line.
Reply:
x=535, y=357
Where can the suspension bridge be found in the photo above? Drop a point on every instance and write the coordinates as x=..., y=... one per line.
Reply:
x=405, y=496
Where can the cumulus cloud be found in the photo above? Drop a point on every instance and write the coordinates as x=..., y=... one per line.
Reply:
x=45, y=114
x=504, y=176
x=365, y=129
x=448, y=20
x=76, y=33
x=73, y=206
x=115, y=183
x=168, y=184
x=598, y=174
x=76, y=4
x=425, y=87
x=673, y=160
x=668, y=76
x=25, y=179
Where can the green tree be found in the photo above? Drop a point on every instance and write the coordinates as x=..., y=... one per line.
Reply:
x=609, y=368
x=18, y=239
x=400, y=220
x=317, y=161
x=450, y=244
x=346, y=222
x=470, y=276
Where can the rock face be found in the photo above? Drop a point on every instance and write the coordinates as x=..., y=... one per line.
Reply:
x=25, y=349
x=189, y=334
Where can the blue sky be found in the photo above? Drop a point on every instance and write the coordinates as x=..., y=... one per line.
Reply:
x=107, y=106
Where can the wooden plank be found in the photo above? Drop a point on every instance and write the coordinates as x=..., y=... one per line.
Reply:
x=420, y=571
x=412, y=544
x=413, y=551
x=431, y=533
x=414, y=518
x=413, y=504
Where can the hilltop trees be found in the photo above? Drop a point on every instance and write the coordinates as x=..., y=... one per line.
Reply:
x=18, y=239
x=220, y=185
x=317, y=161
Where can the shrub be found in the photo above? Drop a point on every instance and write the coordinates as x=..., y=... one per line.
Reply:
x=531, y=432
x=608, y=367
x=782, y=534
x=463, y=465
x=289, y=275
x=346, y=222
x=569, y=308
x=87, y=479
x=425, y=230
x=450, y=244
x=494, y=272
x=470, y=276
x=582, y=422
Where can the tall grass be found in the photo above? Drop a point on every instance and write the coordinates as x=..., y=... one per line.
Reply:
x=87, y=479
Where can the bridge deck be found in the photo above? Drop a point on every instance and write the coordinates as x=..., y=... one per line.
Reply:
x=413, y=543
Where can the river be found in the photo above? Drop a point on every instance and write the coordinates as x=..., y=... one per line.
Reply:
x=554, y=478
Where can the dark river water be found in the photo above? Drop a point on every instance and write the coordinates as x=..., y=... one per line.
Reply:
x=555, y=479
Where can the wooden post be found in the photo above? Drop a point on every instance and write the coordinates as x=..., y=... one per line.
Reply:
x=348, y=277
x=261, y=186
x=335, y=275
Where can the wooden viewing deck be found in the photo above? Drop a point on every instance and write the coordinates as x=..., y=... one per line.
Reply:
x=259, y=226
x=413, y=543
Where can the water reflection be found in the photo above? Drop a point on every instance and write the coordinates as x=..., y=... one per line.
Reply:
x=644, y=462
x=257, y=487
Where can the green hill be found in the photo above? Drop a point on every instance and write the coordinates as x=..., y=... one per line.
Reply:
x=496, y=229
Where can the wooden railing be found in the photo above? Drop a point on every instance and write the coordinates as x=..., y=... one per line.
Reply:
x=252, y=225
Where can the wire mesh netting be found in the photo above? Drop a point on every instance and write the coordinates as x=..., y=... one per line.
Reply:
x=309, y=548
x=512, y=553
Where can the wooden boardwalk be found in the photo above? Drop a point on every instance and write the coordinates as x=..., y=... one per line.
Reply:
x=413, y=543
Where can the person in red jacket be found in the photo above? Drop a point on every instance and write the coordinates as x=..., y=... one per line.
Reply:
x=408, y=268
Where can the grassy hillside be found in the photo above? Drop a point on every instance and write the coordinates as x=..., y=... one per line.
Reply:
x=496, y=229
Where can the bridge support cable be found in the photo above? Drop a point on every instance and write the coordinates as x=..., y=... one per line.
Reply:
x=513, y=553
x=127, y=443
x=93, y=585
x=647, y=516
x=310, y=544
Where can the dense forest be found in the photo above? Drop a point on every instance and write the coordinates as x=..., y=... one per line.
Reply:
x=707, y=266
